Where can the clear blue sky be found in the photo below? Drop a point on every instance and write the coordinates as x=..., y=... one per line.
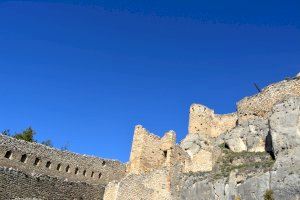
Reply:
x=85, y=74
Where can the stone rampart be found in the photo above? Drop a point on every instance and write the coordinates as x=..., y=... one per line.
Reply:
x=149, y=186
x=40, y=159
x=19, y=185
x=203, y=120
x=151, y=152
x=261, y=104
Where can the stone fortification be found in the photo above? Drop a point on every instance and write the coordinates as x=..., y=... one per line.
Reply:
x=204, y=127
x=152, y=185
x=152, y=169
x=19, y=185
x=150, y=152
x=224, y=156
x=261, y=104
x=204, y=121
x=40, y=159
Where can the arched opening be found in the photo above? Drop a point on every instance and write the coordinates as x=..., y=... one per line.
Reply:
x=100, y=175
x=103, y=163
x=58, y=168
x=165, y=154
x=37, y=161
x=92, y=174
x=23, y=158
x=84, y=173
x=8, y=155
x=68, y=169
x=48, y=164
x=76, y=170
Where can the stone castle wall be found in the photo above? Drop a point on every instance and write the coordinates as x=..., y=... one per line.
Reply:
x=39, y=159
x=15, y=184
x=203, y=120
x=145, y=152
x=261, y=104
x=151, y=152
x=152, y=185
x=150, y=172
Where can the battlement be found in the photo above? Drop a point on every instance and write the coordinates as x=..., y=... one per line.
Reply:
x=35, y=158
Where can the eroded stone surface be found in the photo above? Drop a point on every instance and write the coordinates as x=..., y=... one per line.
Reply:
x=255, y=187
x=248, y=136
x=285, y=125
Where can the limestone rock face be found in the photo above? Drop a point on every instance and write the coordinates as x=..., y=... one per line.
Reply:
x=255, y=187
x=285, y=125
x=248, y=136
x=236, y=144
x=282, y=179
x=204, y=190
x=193, y=143
x=228, y=189
x=199, y=147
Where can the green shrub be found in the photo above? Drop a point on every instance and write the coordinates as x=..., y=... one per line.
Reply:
x=268, y=195
x=27, y=135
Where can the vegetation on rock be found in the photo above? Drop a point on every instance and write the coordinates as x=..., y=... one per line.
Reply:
x=268, y=195
x=242, y=161
x=27, y=135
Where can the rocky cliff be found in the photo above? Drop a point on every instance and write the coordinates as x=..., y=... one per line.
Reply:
x=241, y=174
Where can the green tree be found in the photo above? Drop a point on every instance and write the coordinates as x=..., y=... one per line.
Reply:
x=27, y=135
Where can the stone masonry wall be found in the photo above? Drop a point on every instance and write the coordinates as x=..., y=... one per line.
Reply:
x=150, y=152
x=154, y=185
x=15, y=184
x=145, y=153
x=203, y=120
x=261, y=104
x=39, y=159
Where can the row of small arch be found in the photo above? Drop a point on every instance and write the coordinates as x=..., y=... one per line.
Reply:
x=48, y=165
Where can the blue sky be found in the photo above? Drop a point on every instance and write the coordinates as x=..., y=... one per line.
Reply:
x=84, y=73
